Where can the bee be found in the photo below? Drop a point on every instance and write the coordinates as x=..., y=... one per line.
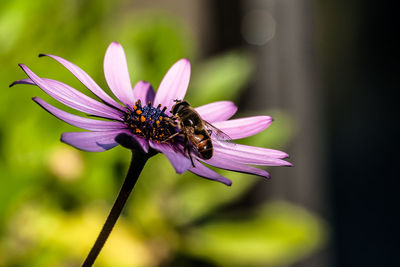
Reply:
x=195, y=131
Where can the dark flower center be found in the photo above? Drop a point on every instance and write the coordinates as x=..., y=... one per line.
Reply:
x=149, y=122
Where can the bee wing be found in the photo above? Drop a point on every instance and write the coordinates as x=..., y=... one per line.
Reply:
x=218, y=135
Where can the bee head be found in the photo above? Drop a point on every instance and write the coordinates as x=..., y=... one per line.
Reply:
x=180, y=104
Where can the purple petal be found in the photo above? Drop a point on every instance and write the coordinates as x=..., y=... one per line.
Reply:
x=144, y=91
x=248, y=157
x=174, y=84
x=70, y=96
x=143, y=142
x=257, y=151
x=217, y=111
x=231, y=165
x=84, y=123
x=117, y=74
x=91, y=141
x=86, y=80
x=177, y=159
x=131, y=141
x=240, y=128
x=207, y=173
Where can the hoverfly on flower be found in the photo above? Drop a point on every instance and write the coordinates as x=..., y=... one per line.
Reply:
x=150, y=127
x=195, y=131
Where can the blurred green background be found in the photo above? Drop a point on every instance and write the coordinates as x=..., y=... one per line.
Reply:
x=54, y=198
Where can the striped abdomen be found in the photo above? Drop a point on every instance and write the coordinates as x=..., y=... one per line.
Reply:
x=202, y=141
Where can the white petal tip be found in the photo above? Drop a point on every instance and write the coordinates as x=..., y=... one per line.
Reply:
x=144, y=83
x=185, y=60
x=115, y=43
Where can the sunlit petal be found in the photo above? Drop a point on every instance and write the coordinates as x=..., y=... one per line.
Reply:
x=117, y=74
x=174, y=84
x=217, y=111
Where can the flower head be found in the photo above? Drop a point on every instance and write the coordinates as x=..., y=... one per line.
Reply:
x=144, y=121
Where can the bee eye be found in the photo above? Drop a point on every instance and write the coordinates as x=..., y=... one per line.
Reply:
x=177, y=108
x=173, y=110
x=180, y=107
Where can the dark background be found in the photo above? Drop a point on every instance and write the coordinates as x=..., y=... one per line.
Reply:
x=327, y=72
x=354, y=52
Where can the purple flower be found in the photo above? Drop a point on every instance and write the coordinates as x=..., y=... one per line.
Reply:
x=142, y=120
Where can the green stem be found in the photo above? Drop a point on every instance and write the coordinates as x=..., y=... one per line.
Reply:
x=137, y=163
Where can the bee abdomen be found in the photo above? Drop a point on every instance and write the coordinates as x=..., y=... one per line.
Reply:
x=205, y=149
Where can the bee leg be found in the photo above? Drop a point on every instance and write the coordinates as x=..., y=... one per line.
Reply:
x=170, y=137
x=191, y=159
x=172, y=121
x=209, y=132
x=187, y=148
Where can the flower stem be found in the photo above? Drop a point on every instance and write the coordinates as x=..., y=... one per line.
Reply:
x=137, y=163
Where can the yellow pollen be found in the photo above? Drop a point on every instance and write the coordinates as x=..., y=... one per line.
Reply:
x=158, y=123
x=138, y=130
x=138, y=112
x=160, y=118
x=142, y=119
x=134, y=107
